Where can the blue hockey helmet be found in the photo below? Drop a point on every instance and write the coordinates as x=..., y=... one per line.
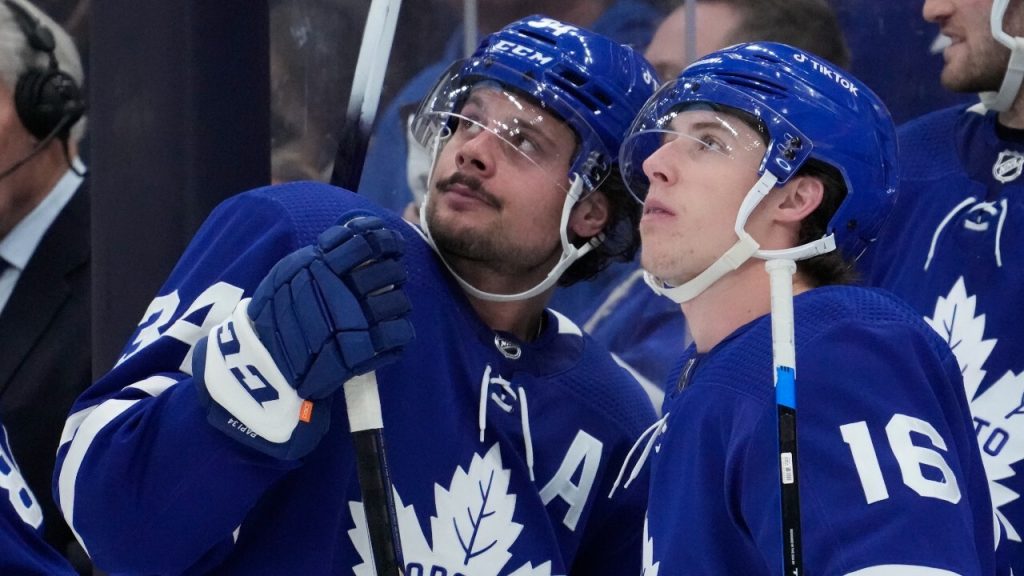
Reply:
x=591, y=82
x=808, y=109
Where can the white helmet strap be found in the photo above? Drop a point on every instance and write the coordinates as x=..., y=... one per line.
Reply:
x=733, y=258
x=744, y=249
x=570, y=253
x=1002, y=100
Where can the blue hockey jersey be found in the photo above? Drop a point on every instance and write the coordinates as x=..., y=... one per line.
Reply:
x=950, y=249
x=22, y=548
x=889, y=472
x=501, y=452
x=644, y=331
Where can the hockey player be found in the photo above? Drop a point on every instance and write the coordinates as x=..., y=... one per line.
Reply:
x=952, y=248
x=635, y=324
x=764, y=152
x=505, y=425
x=22, y=548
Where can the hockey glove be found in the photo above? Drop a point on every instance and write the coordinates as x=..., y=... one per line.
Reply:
x=322, y=315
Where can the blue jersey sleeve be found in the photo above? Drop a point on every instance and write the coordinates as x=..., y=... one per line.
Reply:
x=178, y=506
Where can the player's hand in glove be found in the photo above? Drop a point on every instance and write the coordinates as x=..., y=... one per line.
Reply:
x=322, y=315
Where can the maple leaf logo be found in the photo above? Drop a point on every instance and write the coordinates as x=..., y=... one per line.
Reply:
x=999, y=410
x=999, y=420
x=955, y=321
x=471, y=532
x=650, y=566
x=474, y=517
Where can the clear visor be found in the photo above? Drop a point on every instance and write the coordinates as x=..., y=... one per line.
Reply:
x=705, y=120
x=502, y=124
x=696, y=136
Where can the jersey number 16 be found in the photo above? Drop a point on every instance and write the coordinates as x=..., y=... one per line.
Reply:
x=912, y=459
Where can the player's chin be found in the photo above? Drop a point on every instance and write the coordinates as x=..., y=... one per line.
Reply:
x=457, y=224
x=656, y=262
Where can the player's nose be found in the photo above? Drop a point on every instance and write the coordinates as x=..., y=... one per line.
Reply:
x=477, y=154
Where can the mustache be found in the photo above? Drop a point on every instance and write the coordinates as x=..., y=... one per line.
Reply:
x=472, y=183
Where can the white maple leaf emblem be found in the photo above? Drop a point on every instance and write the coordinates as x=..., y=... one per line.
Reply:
x=650, y=566
x=999, y=418
x=471, y=532
x=955, y=321
x=1000, y=436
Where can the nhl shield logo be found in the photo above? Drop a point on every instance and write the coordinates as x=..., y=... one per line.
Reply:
x=1008, y=166
x=507, y=347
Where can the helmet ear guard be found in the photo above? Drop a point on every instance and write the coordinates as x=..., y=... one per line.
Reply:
x=593, y=171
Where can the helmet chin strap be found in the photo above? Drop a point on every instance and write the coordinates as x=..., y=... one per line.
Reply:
x=1002, y=100
x=570, y=253
x=744, y=249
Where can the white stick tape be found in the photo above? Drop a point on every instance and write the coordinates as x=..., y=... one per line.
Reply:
x=363, y=403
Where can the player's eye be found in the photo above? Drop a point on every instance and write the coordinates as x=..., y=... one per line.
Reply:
x=523, y=143
x=709, y=142
x=469, y=126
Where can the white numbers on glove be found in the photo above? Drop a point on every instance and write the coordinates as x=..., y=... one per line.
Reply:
x=912, y=459
x=216, y=302
x=21, y=498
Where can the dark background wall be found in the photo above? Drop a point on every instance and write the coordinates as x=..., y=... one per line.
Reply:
x=179, y=120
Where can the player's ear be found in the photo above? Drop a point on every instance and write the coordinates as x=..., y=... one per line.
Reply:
x=798, y=199
x=590, y=215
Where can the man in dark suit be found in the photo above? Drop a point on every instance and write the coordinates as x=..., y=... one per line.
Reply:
x=44, y=246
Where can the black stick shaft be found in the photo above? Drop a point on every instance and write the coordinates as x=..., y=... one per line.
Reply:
x=792, y=548
x=351, y=157
x=365, y=418
x=378, y=502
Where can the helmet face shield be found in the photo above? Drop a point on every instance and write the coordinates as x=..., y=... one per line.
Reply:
x=706, y=121
x=696, y=136
x=524, y=137
x=533, y=129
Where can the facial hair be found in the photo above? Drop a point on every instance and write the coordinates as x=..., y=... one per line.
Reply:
x=983, y=71
x=489, y=248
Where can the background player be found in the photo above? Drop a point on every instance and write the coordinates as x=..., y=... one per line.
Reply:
x=639, y=327
x=951, y=250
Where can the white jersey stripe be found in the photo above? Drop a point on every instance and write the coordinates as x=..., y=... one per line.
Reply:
x=90, y=427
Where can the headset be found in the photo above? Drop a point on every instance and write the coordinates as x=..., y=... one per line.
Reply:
x=48, y=100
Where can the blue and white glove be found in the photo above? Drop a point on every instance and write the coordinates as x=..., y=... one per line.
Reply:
x=322, y=315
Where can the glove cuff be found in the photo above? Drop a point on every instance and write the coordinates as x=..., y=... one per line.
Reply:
x=237, y=373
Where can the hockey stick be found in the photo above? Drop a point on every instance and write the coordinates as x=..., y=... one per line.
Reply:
x=366, y=424
x=780, y=273
x=363, y=100
x=362, y=400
